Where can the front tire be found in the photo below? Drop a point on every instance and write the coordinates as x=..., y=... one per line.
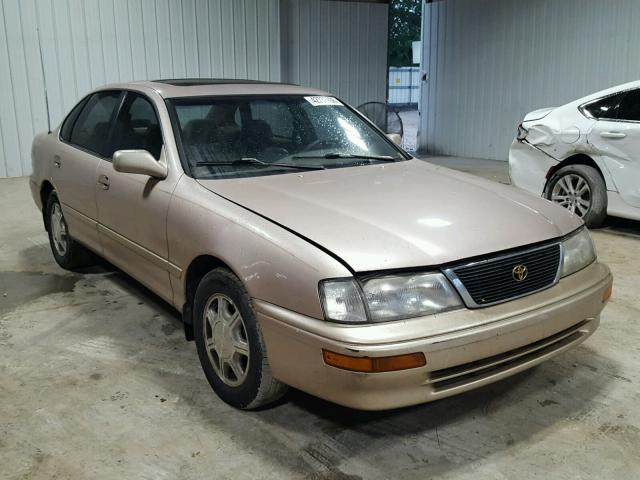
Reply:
x=68, y=253
x=230, y=344
x=581, y=190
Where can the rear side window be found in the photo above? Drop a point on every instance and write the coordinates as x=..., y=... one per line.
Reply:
x=630, y=106
x=137, y=127
x=91, y=129
x=604, y=108
x=69, y=122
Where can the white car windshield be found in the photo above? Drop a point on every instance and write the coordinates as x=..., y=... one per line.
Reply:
x=222, y=137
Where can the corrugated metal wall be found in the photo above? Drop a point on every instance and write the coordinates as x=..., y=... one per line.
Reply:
x=340, y=47
x=491, y=61
x=87, y=43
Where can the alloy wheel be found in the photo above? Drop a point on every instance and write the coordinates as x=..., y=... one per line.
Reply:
x=226, y=340
x=572, y=192
x=59, y=230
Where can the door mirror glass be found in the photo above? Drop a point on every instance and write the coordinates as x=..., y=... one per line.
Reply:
x=395, y=138
x=138, y=161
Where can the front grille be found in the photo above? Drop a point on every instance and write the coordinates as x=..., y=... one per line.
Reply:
x=493, y=280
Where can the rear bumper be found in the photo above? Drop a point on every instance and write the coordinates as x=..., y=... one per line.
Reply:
x=528, y=167
x=35, y=192
x=465, y=349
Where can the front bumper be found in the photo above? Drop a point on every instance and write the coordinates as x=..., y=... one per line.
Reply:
x=465, y=349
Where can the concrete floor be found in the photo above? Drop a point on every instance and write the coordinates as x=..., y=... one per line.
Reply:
x=97, y=382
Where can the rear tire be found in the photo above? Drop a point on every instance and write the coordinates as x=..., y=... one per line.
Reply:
x=581, y=190
x=68, y=253
x=230, y=344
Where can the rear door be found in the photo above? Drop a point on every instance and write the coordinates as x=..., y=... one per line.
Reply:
x=80, y=150
x=132, y=208
x=616, y=137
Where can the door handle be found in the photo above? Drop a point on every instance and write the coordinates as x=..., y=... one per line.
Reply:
x=56, y=161
x=613, y=134
x=103, y=181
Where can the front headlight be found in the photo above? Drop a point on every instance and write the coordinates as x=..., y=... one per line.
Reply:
x=388, y=298
x=578, y=252
x=342, y=301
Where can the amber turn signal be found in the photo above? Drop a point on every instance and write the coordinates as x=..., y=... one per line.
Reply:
x=606, y=295
x=374, y=364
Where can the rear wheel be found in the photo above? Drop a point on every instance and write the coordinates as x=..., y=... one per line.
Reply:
x=230, y=344
x=67, y=252
x=581, y=190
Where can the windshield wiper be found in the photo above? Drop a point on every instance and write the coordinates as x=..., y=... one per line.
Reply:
x=255, y=161
x=382, y=158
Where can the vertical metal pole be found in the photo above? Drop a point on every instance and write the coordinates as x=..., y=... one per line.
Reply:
x=44, y=81
x=425, y=37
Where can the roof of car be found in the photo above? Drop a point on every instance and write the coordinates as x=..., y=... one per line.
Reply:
x=197, y=87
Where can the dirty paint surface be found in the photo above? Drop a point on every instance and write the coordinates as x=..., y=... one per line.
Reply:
x=96, y=381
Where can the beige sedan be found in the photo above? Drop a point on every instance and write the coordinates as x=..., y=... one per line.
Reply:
x=304, y=248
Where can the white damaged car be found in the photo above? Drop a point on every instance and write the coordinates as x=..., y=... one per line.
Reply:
x=584, y=155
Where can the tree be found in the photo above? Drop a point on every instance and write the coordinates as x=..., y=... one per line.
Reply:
x=404, y=20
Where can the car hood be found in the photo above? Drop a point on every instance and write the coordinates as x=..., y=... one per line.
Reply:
x=399, y=215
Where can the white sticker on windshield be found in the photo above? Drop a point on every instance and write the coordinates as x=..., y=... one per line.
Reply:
x=318, y=101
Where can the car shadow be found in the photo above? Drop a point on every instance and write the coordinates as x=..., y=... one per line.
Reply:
x=313, y=438
x=621, y=226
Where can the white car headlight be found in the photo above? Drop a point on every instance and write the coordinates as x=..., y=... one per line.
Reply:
x=388, y=298
x=578, y=252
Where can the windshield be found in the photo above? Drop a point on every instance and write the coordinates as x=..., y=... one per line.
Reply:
x=225, y=137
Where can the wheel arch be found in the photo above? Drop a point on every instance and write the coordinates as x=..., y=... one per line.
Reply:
x=45, y=190
x=577, y=159
x=197, y=269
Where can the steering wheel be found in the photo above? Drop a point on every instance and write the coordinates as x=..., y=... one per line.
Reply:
x=320, y=143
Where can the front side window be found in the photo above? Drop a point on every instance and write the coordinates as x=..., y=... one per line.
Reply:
x=91, y=129
x=136, y=127
x=225, y=137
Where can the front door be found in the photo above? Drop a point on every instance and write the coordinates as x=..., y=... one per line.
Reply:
x=76, y=161
x=618, y=142
x=132, y=208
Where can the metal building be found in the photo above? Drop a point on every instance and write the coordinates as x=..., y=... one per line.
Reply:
x=52, y=52
x=489, y=63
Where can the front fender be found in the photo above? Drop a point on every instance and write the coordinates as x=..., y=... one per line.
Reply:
x=275, y=265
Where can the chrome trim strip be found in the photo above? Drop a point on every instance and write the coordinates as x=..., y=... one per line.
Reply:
x=139, y=250
x=464, y=293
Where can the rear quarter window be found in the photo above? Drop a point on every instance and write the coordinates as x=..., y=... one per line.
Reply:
x=69, y=122
x=604, y=108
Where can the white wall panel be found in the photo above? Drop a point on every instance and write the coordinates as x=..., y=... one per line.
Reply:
x=340, y=47
x=491, y=61
x=88, y=43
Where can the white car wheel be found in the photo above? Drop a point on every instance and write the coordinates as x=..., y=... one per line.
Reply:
x=581, y=190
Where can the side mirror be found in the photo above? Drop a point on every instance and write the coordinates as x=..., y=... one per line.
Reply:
x=138, y=161
x=395, y=138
